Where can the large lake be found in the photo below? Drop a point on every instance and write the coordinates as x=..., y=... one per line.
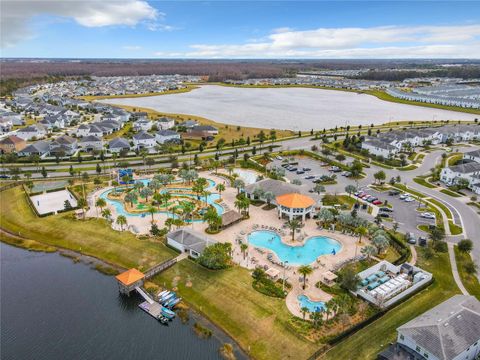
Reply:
x=287, y=108
x=54, y=309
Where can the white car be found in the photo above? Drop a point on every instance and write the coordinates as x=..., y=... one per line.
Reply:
x=403, y=196
x=279, y=157
x=409, y=199
x=428, y=215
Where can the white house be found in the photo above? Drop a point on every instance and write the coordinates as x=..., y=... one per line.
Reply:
x=144, y=140
x=164, y=136
x=142, y=125
x=165, y=123
x=469, y=171
x=90, y=142
x=449, y=331
x=118, y=144
x=379, y=148
x=187, y=240
x=33, y=131
x=472, y=155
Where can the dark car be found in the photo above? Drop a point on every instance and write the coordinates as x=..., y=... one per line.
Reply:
x=293, y=169
x=422, y=241
x=299, y=172
x=386, y=209
x=393, y=192
x=306, y=169
x=384, y=215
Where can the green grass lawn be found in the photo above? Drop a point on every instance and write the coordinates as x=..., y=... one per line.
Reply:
x=408, y=190
x=450, y=193
x=259, y=323
x=343, y=200
x=368, y=342
x=423, y=182
x=92, y=237
x=469, y=281
x=454, y=228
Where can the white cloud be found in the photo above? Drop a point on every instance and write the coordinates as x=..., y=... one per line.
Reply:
x=17, y=14
x=385, y=41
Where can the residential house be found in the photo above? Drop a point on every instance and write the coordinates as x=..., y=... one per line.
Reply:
x=449, y=331
x=142, y=125
x=164, y=136
x=165, y=123
x=41, y=148
x=64, y=144
x=11, y=144
x=144, y=140
x=379, y=148
x=15, y=118
x=91, y=143
x=5, y=126
x=188, y=124
x=52, y=122
x=118, y=145
x=469, y=171
x=212, y=130
x=472, y=155
x=36, y=131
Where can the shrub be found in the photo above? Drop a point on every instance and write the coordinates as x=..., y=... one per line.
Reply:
x=440, y=246
x=465, y=245
x=470, y=267
x=217, y=256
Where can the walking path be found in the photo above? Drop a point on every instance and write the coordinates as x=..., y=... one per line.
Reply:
x=453, y=263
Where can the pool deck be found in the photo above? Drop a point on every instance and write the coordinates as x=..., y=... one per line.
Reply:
x=254, y=257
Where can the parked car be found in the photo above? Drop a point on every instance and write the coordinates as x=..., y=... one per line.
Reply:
x=409, y=199
x=309, y=177
x=285, y=165
x=377, y=202
x=292, y=169
x=306, y=169
x=411, y=238
x=384, y=215
x=393, y=192
x=279, y=157
x=403, y=196
x=422, y=241
x=428, y=215
x=371, y=199
x=299, y=172
x=386, y=209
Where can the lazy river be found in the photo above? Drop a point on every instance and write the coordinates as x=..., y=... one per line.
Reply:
x=294, y=255
x=120, y=209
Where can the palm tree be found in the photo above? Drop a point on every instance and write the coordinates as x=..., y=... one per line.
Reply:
x=268, y=196
x=305, y=270
x=220, y=188
x=361, y=231
x=152, y=211
x=244, y=248
x=293, y=224
x=169, y=223
x=238, y=184
x=100, y=203
x=166, y=197
x=188, y=208
x=211, y=217
x=145, y=193
x=155, y=185
x=131, y=197
x=106, y=213
x=369, y=251
x=138, y=185
x=82, y=203
x=158, y=198
x=121, y=220
x=381, y=242
x=304, y=311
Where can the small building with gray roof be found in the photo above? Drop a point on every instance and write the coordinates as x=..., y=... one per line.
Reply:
x=187, y=240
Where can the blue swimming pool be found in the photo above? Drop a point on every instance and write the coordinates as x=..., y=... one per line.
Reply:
x=312, y=306
x=295, y=255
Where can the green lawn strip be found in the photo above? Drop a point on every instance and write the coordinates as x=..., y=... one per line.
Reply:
x=407, y=168
x=343, y=200
x=469, y=281
x=450, y=193
x=256, y=321
x=445, y=209
x=92, y=237
x=454, y=158
x=368, y=342
x=454, y=228
x=408, y=190
x=423, y=182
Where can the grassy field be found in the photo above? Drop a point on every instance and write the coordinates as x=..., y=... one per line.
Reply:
x=120, y=132
x=469, y=281
x=225, y=131
x=168, y=92
x=366, y=343
x=454, y=229
x=259, y=323
x=92, y=237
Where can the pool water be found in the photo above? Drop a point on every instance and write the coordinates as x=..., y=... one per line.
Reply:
x=312, y=306
x=295, y=255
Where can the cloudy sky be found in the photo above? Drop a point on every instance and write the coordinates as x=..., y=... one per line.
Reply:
x=240, y=29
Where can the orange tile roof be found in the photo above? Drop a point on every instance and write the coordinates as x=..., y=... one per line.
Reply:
x=295, y=200
x=130, y=276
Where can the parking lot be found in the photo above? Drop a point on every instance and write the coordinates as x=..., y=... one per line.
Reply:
x=404, y=213
x=317, y=170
